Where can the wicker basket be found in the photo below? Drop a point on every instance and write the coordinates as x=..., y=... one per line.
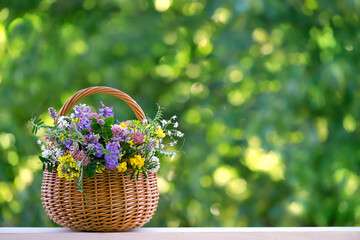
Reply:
x=114, y=202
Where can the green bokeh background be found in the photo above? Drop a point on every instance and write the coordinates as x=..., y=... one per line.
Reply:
x=266, y=91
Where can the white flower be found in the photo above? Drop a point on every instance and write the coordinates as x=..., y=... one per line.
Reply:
x=179, y=134
x=154, y=164
x=46, y=154
x=173, y=156
x=57, y=153
x=169, y=133
x=164, y=122
x=176, y=125
x=39, y=142
x=63, y=123
x=174, y=117
x=172, y=143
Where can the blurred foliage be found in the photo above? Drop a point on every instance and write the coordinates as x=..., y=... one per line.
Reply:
x=267, y=92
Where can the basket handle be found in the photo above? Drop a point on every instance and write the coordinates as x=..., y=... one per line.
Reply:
x=68, y=105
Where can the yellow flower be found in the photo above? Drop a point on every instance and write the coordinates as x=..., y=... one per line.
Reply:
x=137, y=161
x=122, y=167
x=131, y=142
x=75, y=120
x=123, y=125
x=62, y=138
x=160, y=133
x=100, y=168
x=68, y=167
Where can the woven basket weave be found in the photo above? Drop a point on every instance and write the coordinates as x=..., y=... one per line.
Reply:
x=114, y=202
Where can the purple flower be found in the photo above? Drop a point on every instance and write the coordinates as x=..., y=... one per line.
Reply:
x=52, y=113
x=113, y=147
x=98, y=150
x=106, y=111
x=150, y=146
x=68, y=144
x=82, y=112
x=112, y=158
x=111, y=161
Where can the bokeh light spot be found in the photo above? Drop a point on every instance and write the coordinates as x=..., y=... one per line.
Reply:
x=164, y=186
x=79, y=47
x=349, y=123
x=4, y=13
x=192, y=8
x=236, y=75
x=236, y=97
x=224, y=174
x=162, y=5
x=6, y=194
x=6, y=140
x=260, y=35
x=13, y=158
x=259, y=160
x=237, y=188
x=322, y=129
x=193, y=71
x=221, y=15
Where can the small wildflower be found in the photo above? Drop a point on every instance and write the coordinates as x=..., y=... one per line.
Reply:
x=101, y=121
x=131, y=145
x=122, y=167
x=160, y=133
x=52, y=113
x=179, y=134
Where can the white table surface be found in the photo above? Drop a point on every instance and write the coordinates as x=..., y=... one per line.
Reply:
x=244, y=233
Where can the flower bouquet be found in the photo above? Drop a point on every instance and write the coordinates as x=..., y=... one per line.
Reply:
x=100, y=174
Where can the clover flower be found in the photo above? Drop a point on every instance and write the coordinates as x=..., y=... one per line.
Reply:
x=138, y=137
x=130, y=145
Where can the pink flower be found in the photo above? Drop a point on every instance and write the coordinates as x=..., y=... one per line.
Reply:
x=80, y=156
x=117, y=130
x=138, y=137
x=94, y=115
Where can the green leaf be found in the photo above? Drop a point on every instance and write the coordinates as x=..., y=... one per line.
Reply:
x=50, y=167
x=96, y=127
x=109, y=120
x=132, y=175
x=144, y=173
x=105, y=150
x=90, y=171
x=43, y=160
x=85, y=131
